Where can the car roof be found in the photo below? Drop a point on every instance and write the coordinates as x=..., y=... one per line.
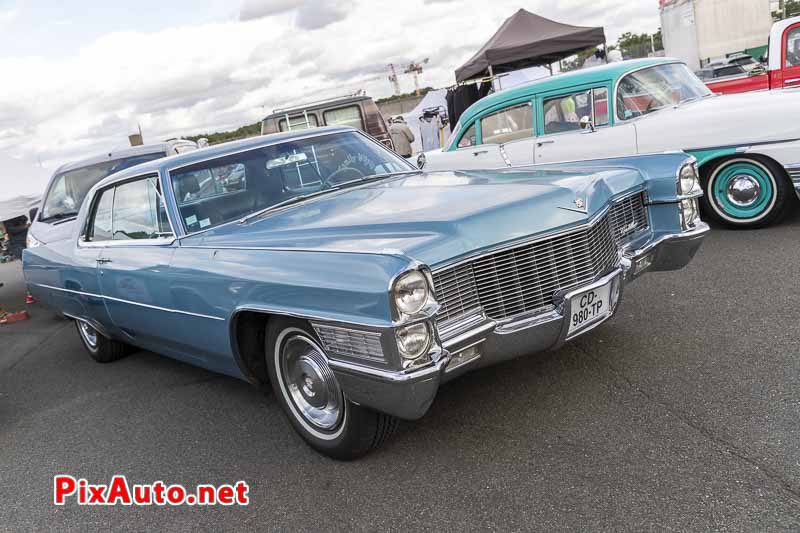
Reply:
x=316, y=106
x=600, y=73
x=219, y=150
x=122, y=153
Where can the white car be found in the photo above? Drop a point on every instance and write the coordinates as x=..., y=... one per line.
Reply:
x=747, y=145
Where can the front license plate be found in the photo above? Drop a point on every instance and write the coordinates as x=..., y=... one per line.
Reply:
x=589, y=307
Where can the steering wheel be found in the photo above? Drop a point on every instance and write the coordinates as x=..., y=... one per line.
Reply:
x=353, y=174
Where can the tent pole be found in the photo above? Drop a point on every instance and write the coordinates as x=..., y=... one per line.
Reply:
x=491, y=76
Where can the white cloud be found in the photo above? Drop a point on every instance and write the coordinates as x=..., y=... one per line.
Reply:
x=193, y=79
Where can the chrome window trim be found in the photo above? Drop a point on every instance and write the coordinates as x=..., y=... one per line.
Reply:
x=161, y=241
x=148, y=306
x=312, y=134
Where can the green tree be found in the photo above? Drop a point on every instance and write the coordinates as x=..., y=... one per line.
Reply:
x=786, y=9
x=633, y=45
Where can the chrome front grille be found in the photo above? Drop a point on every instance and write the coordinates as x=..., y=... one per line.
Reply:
x=628, y=217
x=525, y=278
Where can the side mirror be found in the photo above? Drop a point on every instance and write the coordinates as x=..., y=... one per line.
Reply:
x=586, y=124
x=32, y=214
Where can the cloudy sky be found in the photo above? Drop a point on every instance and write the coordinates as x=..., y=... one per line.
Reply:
x=79, y=75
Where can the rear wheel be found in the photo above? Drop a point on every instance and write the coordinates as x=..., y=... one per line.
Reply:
x=101, y=348
x=312, y=399
x=746, y=192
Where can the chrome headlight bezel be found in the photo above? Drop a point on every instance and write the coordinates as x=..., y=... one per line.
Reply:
x=31, y=241
x=689, y=213
x=688, y=182
x=414, y=280
x=414, y=341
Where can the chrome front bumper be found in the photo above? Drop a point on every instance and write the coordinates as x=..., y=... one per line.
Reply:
x=409, y=395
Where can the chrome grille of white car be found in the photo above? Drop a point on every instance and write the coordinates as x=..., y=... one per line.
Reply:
x=525, y=278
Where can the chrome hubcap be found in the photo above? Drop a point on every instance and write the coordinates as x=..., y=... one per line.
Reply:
x=743, y=190
x=311, y=383
x=88, y=333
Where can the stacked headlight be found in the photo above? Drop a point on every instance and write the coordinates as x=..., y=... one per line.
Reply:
x=413, y=341
x=31, y=241
x=688, y=180
x=411, y=292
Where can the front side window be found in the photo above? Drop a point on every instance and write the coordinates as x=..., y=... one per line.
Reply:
x=793, y=48
x=344, y=116
x=69, y=188
x=278, y=174
x=132, y=210
x=299, y=123
x=653, y=88
x=138, y=212
x=469, y=138
x=101, y=228
x=508, y=125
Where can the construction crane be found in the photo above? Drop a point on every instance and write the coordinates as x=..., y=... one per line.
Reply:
x=415, y=68
x=393, y=79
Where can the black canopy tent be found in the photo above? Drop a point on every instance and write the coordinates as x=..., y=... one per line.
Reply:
x=527, y=40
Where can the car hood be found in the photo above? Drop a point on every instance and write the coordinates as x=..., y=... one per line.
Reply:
x=722, y=120
x=431, y=217
x=50, y=232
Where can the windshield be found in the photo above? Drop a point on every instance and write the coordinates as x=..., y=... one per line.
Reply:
x=68, y=189
x=234, y=186
x=654, y=88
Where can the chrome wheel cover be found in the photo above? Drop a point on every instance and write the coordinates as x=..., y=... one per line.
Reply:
x=310, y=383
x=743, y=190
x=88, y=333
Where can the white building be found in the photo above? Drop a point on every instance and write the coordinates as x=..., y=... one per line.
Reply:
x=697, y=31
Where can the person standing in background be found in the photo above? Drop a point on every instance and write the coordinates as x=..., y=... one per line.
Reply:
x=401, y=135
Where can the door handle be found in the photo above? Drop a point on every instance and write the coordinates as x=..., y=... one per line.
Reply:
x=479, y=152
x=542, y=143
x=103, y=261
x=792, y=81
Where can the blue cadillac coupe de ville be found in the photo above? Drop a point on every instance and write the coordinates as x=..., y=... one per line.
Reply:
x=355, y=284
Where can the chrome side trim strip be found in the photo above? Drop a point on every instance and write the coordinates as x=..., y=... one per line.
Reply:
x=120, y=300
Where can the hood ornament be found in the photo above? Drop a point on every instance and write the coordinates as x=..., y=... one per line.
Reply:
x=579, y=203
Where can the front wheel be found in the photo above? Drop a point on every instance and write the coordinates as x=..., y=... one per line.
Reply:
x=312, y=399
x=746, y=192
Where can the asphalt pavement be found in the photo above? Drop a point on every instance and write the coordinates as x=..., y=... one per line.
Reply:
x=681, y=413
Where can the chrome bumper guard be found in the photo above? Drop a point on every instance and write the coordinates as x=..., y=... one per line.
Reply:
x=409, y=395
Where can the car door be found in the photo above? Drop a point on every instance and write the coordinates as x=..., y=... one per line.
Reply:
x=470, y=154
x=563, y=138
x=511, y=128
x=791, y=56
x=133, y=265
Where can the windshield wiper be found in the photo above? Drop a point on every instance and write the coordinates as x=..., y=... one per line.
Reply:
x=284, y=203
x=59, y=216
x=379, y=176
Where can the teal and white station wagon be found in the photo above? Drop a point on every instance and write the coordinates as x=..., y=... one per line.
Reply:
x=747, y=145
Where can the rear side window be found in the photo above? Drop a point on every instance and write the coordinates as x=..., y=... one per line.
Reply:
x=563, y=113
x=298, y=123
x=793, y=48
x=344, y=116
x=508, y=125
